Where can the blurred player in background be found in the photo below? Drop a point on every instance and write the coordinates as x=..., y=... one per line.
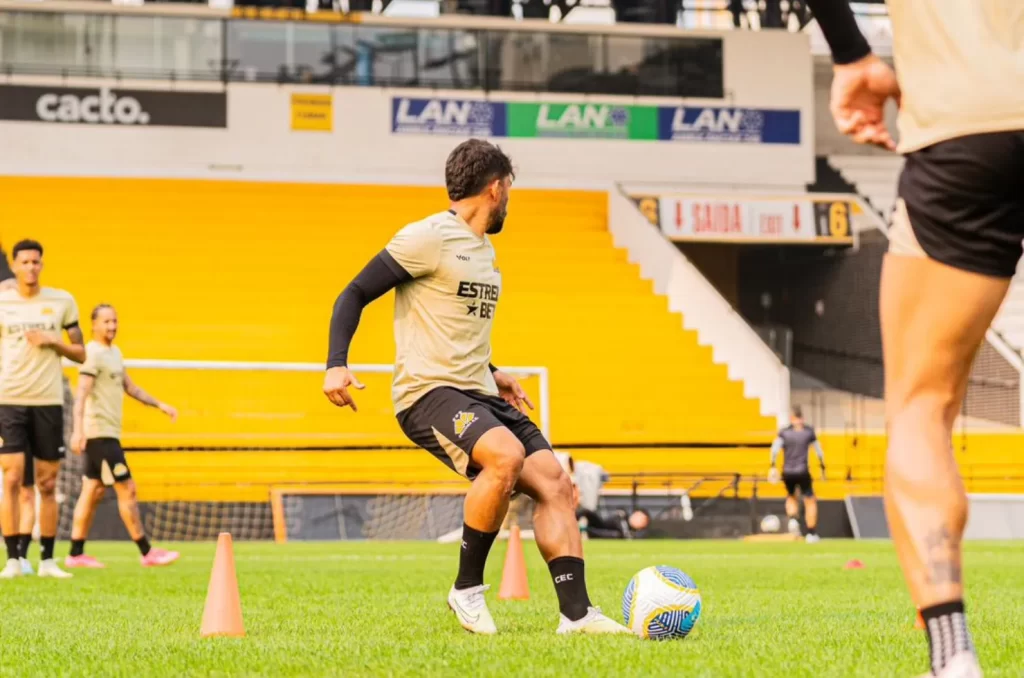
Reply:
x=450, y=400
x=795, y=442
x=954, y=244
x=587, y=480
x=32, y=319
x=102, y=383
x=27, y=497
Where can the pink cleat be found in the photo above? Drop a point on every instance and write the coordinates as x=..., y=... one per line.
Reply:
x=83, y=561
x=159, y=558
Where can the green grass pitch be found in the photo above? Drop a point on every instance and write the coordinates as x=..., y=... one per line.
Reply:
x=378, y=609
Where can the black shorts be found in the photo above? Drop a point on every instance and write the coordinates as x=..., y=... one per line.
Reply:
x=37, y=430
x=448, y=423
x=964, y=201
x=801, y=480
x=100, y=452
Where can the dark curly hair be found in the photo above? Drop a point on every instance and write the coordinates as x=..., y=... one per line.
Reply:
x=472, y=166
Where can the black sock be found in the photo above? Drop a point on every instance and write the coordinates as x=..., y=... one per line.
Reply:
x=571, y=587
x=77, y=547
x=13, y=546
x=24, y=541
x=475, y=547
x=946, y=626
x=812, y=530
x=46, y=546
x=143, y=545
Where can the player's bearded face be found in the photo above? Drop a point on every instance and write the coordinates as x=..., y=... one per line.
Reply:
x=498, y=214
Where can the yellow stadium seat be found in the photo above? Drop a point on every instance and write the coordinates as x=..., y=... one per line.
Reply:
x=222, y=270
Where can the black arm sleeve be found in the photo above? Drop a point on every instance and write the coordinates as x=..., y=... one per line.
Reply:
x=379, y=277
x=840, y=29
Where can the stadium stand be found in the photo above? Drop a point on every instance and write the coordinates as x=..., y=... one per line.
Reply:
x=249, y=271
x=875, y=177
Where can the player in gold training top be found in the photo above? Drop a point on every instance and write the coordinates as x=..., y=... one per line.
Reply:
x=450, y=400
x=955, y=241
x=102, y=383
x=32, y=320
x=27, y=500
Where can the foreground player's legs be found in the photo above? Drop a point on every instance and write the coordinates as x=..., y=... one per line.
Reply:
x=558, y=538
x=46, y=483
x=128, y=507
x=85, y=511
x=13, y=466
x=929, y=345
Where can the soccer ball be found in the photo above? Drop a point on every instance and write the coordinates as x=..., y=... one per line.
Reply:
x=770, y=523
x=661, y=603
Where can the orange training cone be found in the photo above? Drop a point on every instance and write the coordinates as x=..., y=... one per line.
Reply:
x=919, y=622
x=222, y=615
x=513, y=580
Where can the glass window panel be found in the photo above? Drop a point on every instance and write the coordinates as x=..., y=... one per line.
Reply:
x=682, y=67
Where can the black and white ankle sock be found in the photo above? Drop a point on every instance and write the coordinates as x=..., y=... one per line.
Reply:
x=46, y=547
x=946, y=625
x=24, y=541
x=473, y=557
x=570, y=586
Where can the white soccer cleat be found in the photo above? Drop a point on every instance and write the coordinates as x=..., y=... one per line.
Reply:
x=812, y=539
x=963, y=665
x=794, y=526
x=471, y=610
x=12, y=569
x=49, y=568
x=26, y=567
x=595, y=623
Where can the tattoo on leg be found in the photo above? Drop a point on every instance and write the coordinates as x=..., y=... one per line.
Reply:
x=943, y=557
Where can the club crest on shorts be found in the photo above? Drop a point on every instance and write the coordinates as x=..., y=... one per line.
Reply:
x=462, y=421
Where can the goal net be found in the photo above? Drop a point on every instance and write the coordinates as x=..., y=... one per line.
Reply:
x=258, y=451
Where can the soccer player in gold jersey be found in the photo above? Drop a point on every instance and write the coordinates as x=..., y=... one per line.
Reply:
x=102, y=383
x=954, y=245
x=32, y=320
x=448, y=397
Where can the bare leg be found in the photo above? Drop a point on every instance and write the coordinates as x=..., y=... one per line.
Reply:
x=554, y=521
x=128, y=507
x=792, y=508
x=85, y=508
x=557, y=532
x=13, y=466
x=811, y=513
x=26, y=518
x=929, y=345
x=46, y=483
x=500, y=456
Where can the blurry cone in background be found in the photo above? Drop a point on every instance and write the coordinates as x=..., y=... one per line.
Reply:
x=513, y=580
x=222, y=615
x=919, y=622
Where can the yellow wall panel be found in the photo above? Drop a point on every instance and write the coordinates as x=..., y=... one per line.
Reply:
x=223, y=270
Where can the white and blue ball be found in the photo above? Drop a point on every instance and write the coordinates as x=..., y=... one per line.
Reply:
x=661, y=603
